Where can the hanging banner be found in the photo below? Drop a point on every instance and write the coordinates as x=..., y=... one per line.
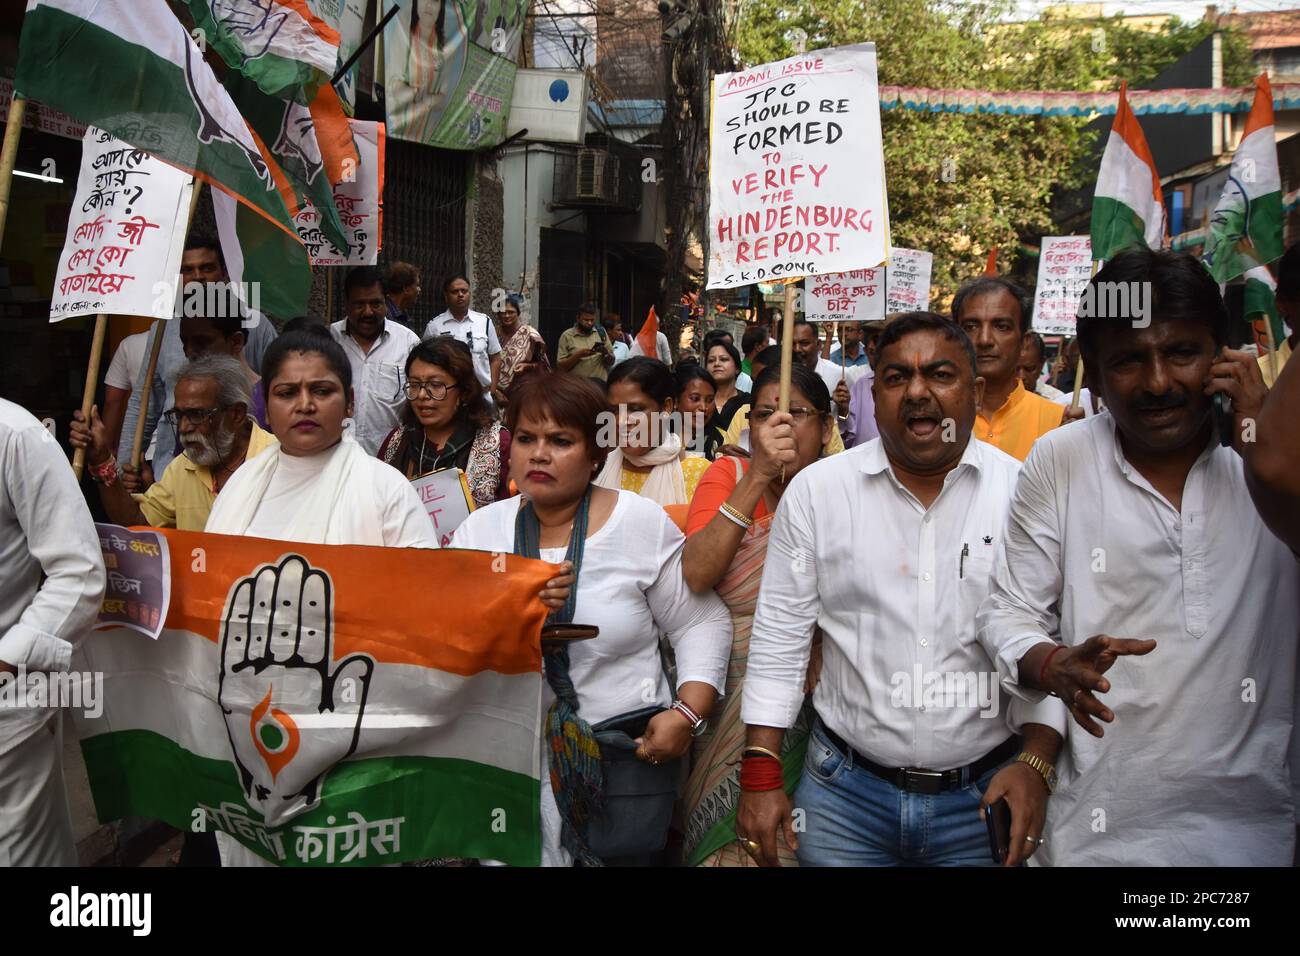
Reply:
x=125, y=233
x=360, y=204
x=352, y=15
x=1064, y=268
x=449, y=70
x=907, y=281
x=857, y=296
x=1187, y=102
x=796, y=172
x=336, y=726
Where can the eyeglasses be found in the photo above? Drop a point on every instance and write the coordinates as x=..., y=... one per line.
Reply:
x=799, y=413
x=435, y=390
x=194, y=416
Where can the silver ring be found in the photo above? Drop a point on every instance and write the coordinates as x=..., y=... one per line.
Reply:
x=1036, y=841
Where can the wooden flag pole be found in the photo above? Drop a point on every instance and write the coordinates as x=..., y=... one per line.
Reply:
x=787, y=349
x=9, y=154
x=1078, y=366
x=155, y=346
x=1272, y=347
x=92, y=383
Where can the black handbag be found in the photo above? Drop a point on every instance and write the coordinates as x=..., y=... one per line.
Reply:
x=638, y=796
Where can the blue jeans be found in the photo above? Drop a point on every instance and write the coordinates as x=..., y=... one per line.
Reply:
x=853, y=818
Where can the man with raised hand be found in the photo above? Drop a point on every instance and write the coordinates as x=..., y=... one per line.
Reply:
x=1132, y=534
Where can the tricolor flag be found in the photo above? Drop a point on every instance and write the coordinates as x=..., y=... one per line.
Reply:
x=281, y=45
x=326, y=704
x=1259, y=307
x=1128, y=208
x=1246, y=226
x=646, y=341
x=131, y=68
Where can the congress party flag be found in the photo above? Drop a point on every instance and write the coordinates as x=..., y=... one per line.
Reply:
x=1245, y=228
x=646, y=341
x=1128, y=208
x=1259, y=306
x=130, y=68
x=329, y=705
x=280, y=45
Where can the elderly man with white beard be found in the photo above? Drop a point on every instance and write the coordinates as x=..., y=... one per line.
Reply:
x=215, y=432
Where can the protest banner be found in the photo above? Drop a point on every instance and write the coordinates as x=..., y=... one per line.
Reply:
x=1064, y=268
x=125, y=233
x=446, y=497
x=797, y=179
x=856, y=296
x=338, y=726
x=139, y=579
x=907, y=281
x=359, y=203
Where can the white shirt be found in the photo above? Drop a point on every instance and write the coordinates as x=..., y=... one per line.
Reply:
x=854, y=552
x=127, y=360
x=377, y=379
x=1051, y=392
x=1193, y=771
x=475, y=330
x=404, y=524
x=45, y=529
x=631, y=587
x=1085, y=400
x=832, y=372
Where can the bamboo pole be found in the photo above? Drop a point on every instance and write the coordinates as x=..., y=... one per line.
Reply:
x=787, y=348
x=155, y=346
x=9, y=154
x=1078, y=366
x=1272, y=348
x=92, y=383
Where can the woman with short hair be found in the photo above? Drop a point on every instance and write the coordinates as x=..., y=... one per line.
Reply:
x=447, y=423
x=723, y=364
x=611, y=702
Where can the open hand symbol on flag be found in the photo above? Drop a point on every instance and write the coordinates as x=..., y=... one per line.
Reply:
x=289, y=718
x=255, y=22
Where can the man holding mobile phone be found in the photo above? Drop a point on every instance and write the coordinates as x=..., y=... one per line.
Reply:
x=1133, y=533
x=583, y=349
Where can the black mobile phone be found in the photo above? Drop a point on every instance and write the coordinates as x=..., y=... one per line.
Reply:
x=569, y=632
x=1223, y=418
x=998, y=820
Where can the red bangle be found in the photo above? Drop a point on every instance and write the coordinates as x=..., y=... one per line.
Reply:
x=1042, y=671
x=759, y=773
x=106, y=473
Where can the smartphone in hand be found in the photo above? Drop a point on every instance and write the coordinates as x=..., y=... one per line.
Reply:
x=998, y=820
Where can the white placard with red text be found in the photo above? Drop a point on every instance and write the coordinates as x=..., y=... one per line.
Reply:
x=796, y=171
x=360, y=204
x=1064, y=268
x=446, y=498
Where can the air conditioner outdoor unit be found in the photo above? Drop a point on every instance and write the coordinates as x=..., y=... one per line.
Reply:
x=597, y=174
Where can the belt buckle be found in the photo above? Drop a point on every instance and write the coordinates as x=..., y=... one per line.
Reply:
x=922, y=781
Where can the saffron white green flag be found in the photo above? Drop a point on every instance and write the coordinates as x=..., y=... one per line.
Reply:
x=130, y=67
x=280, y=45
x=1259, y=306
x=1128, y=208
x=1246, y=226
x=322, y=704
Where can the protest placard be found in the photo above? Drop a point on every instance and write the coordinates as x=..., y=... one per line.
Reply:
x=138, y=590
x=856, y=296
x=125, y=233
x=1064, y=268
x=797, y=178
x=907, y=280
x=446, y=498
x=360, y=206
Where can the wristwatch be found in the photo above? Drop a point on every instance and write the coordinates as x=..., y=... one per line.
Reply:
x=698, y=723
x=1042, y=766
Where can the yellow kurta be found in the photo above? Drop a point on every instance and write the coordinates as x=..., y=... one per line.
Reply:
x=1020, y=422
x=183, y=497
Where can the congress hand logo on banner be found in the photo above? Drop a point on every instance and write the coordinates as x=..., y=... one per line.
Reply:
x=289, y=718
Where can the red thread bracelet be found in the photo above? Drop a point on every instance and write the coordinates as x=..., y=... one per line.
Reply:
x=759, y=773
x=1042, y=671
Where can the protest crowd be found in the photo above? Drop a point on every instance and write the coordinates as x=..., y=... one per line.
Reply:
x=803, y=578
x=927, y=589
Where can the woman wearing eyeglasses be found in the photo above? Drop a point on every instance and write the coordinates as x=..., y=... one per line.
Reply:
x=726, y=543
x=446, y=422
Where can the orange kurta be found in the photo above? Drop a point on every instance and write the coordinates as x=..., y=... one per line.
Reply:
x=1021, y=420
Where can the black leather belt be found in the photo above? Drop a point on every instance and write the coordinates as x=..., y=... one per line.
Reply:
x=918, y=780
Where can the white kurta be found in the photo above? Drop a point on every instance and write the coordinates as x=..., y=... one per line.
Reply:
x=340, y=496
x=45, y=529
x=631, y=587
x=1193, y=771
